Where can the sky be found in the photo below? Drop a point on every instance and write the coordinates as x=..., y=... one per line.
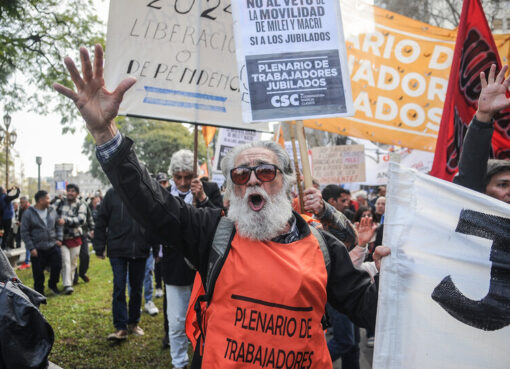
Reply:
x=40, y=135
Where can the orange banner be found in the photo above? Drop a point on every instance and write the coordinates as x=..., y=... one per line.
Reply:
x=399, y=70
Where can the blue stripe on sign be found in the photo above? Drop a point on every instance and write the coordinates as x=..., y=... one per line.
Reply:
x=184, y=93
x=181, y=104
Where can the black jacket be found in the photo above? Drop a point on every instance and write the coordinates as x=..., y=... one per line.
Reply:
x=174, y=269
x=349, y=289
x=474, y=155
x=117, y=231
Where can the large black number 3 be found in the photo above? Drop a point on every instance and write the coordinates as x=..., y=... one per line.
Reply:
x=207, y=13
x=493, y=311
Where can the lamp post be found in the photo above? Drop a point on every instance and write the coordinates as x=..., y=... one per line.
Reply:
x=10, y=139
x=38, y=160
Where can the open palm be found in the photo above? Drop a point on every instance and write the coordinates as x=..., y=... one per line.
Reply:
x=493, y=95
x=96, y=104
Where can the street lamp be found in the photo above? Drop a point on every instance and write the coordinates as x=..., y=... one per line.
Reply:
x=38, y=160
x=10, y=139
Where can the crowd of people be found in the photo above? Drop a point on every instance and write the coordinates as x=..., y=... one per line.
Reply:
x=247, y=274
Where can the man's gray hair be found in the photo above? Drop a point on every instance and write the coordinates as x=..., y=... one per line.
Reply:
x=362, y=193
x=283, y=162
x=181, y=161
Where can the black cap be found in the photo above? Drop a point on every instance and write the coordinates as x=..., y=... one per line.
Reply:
x=161, y=177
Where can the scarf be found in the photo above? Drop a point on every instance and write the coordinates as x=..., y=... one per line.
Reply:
x=188, y=196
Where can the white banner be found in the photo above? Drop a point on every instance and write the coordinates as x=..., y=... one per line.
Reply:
x=444, y=292
x=183, y=56
x=292, y=53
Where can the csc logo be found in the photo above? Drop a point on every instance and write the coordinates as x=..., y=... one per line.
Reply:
x=285, y=100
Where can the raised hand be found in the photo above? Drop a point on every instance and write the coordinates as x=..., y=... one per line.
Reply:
x=365, y=229
x=96, y=104
x=493, y=95
x=197, y=189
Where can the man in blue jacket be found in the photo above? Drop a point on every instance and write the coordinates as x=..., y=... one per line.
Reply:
x=7, y=212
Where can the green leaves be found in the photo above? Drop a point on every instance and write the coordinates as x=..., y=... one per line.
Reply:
x=35, y=35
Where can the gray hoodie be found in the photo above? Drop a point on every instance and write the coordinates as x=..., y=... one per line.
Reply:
x=38, y=235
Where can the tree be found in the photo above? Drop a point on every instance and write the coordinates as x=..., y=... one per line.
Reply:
x=441, y=13
x=155, y=142
x=35, y=35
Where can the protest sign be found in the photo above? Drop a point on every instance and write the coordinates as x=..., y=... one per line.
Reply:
x=227, y=140
x=444, y=292
x=338, y=164
x=183, y=56
x=292, y=54
x=399, y=70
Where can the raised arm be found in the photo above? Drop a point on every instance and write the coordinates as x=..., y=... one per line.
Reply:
x=477, y=142
x=178, y=224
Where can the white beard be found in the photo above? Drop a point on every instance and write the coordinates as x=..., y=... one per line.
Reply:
x=261, y=225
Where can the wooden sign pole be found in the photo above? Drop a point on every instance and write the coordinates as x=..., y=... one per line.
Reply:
x=296, y=164
x=195, y=153
x=303, y=149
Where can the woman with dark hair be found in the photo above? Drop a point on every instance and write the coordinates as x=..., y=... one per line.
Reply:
x=363, y=211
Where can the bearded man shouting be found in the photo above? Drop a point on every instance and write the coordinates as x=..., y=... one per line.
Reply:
x=270, y=295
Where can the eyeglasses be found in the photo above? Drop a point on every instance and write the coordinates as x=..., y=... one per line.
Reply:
x=263, y=172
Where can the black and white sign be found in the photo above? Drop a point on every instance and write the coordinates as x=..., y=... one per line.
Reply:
x=227, y=140
x=292, y=53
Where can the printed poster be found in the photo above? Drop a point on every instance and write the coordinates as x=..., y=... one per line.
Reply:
x=292, y=55
x=227, y=140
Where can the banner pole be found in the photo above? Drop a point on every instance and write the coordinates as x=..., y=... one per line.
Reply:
x=296, y=165
x=277, y=132
x=195, y=152
x=303, y=149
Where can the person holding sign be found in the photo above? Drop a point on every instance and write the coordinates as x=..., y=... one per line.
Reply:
x=277, y=273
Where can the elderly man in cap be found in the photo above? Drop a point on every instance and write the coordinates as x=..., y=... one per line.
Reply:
x=269, y=297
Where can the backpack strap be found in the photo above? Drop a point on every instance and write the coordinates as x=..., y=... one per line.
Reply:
x=324, y=248
x=327, y=261
x=217, y=255
x=219, y=250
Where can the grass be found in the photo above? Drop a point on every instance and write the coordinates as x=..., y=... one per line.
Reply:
x=82, y=321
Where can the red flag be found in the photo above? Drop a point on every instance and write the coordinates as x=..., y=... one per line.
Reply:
x=475, y=51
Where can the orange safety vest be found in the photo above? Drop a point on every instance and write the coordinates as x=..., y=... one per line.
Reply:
x=267, y=307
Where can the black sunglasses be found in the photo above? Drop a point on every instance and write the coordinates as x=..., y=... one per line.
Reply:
x=264, y=173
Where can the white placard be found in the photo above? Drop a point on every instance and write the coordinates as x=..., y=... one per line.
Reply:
x=338, y=164
x=444, y=292
x=292, y=53
x=183, y=56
